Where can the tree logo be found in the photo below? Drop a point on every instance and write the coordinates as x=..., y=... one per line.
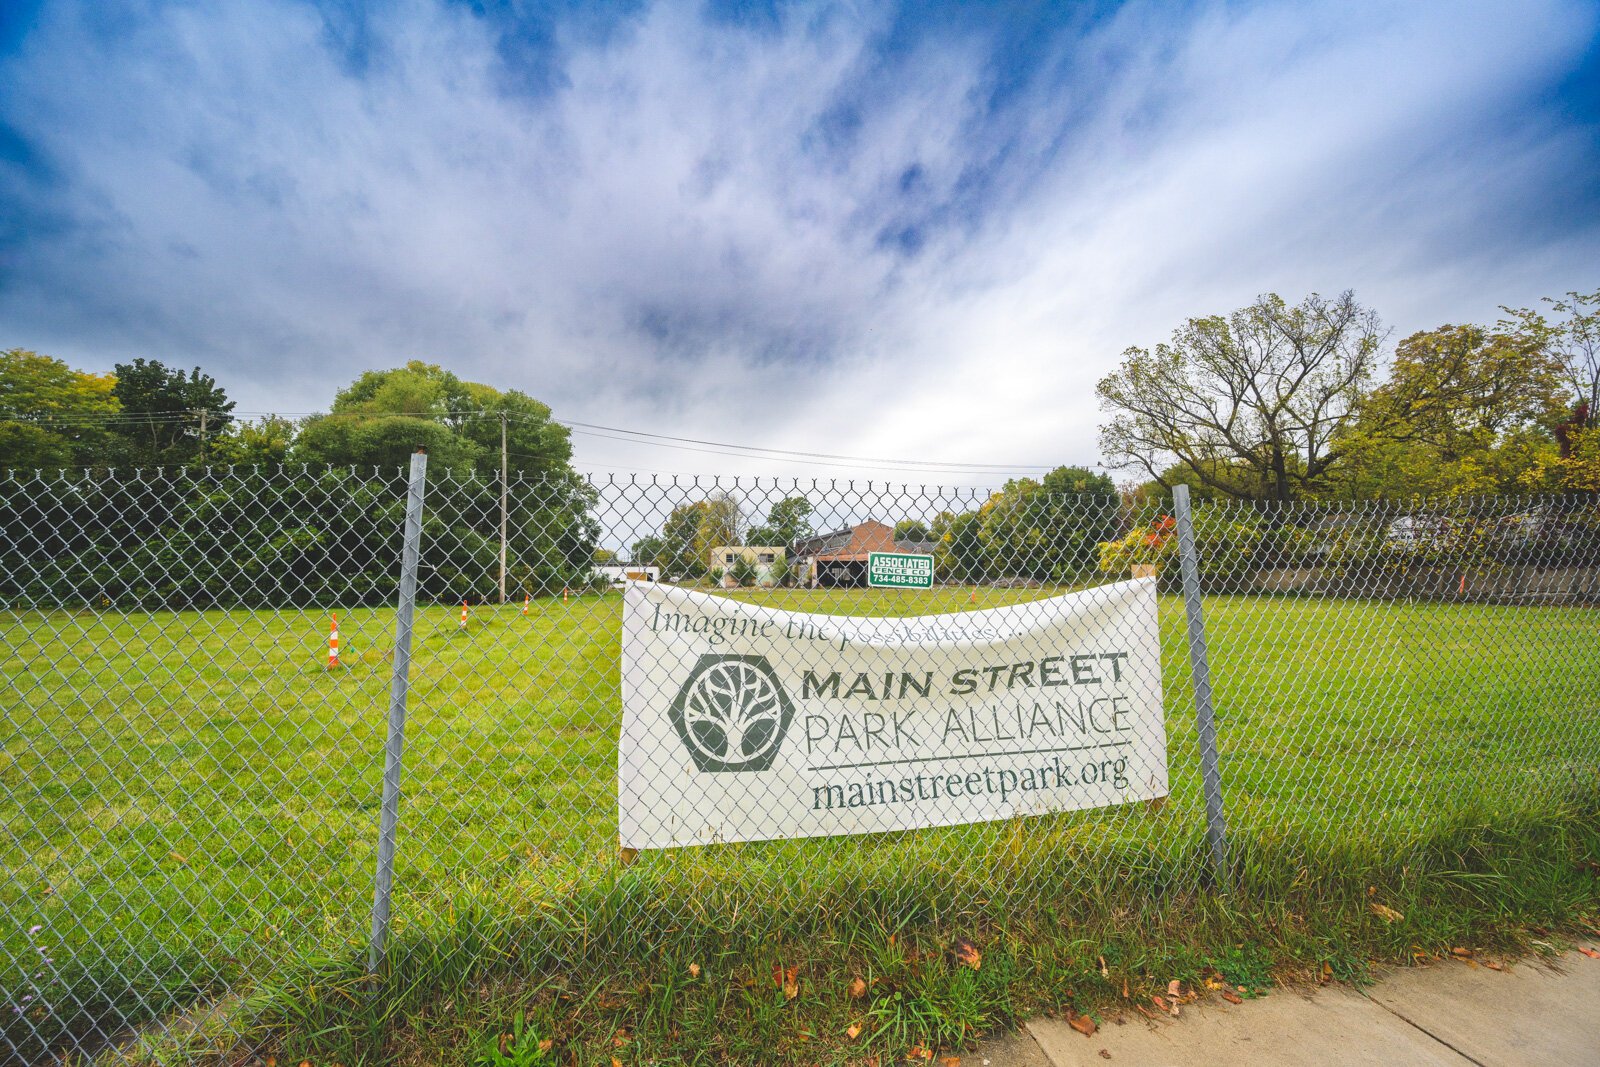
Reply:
x=732, y=713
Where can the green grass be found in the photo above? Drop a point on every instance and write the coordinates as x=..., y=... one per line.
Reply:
x=190, y=804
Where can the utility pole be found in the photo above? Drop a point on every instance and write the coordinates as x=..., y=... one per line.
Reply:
x=504, y=511
x=203, y=414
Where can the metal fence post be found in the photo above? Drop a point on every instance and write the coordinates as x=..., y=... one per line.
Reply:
x=1200, y=669
x=394, y=746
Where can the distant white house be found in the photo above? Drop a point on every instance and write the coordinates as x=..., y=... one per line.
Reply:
x=764, y=561
x=619, y=574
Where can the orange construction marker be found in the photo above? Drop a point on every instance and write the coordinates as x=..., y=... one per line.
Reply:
x=563, y=594
x=527, y=598
x=333, y=642
x=463, y=625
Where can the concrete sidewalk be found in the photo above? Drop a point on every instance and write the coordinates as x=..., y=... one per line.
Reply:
x=1451, y=1014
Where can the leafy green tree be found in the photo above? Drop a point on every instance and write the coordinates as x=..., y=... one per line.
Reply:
x=1264, y=393
x=1465, y=411
x=1154, y=497
x=383, y=416
x=161, y=423
x=1048, y=530
x=50, y=414
x=649, y=550
x=743, y=572
x=788, y=521
x=263, y=442
x=1573, y=338
x=958, y=554
x=911, y=530
x=692, y=530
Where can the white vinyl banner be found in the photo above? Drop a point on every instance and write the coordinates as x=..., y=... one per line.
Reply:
x=745, y=723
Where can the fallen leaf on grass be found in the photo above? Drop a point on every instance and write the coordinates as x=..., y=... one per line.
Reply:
x=546, y=1045
x=1461, y=953
x=615, y=1062
x=919, y=1053
x=858, y=989
x=853, y=1031
x=694, y=970
x=1156, y=999
x=180, y=857
x=628, y=855
x=966, y=953
x=1591, y=953
x=1083, y=1024
x=1231, y=997
x=1493, y=966
x=1104, y=973
x=1326, y=975
x=1174, y=989
x=1386, y=913
x=787, y=980
x=950, y=1061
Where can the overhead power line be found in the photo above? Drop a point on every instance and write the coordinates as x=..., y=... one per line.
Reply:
x=930, y=463
x=589, y=429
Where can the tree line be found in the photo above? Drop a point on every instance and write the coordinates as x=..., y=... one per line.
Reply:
x=1272, y=402
x=1304, y=402
x=271, y=512
x=1047, y=529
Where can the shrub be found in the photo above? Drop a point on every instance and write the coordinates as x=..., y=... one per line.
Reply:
x=743, y=572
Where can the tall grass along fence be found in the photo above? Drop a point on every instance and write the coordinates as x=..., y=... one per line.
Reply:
x=215, y=828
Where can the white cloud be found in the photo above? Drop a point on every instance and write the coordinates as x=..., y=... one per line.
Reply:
x=686, y=234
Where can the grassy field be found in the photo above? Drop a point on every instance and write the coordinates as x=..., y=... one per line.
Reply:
x=190, y=804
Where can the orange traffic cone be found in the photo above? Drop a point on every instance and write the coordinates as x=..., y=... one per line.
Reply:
x=563, y=594
x=973, y=599
x=333, y=642
x=463, y=625
x=527, y=598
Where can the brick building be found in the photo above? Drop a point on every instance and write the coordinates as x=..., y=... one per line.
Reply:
x=839, y=558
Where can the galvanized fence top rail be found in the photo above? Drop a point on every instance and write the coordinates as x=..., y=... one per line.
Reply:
x=201, y=786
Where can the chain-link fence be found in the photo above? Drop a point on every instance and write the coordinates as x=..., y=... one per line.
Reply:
x=193, y=773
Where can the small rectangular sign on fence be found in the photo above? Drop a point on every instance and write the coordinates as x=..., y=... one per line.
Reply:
x=747, y=723
x=895, y=570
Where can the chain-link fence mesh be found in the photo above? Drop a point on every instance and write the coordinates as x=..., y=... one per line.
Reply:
x=190, y=790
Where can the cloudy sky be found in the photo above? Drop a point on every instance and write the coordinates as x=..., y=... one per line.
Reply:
x=865, y=230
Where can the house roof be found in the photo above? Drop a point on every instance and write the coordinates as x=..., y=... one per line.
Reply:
x=854, y=543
